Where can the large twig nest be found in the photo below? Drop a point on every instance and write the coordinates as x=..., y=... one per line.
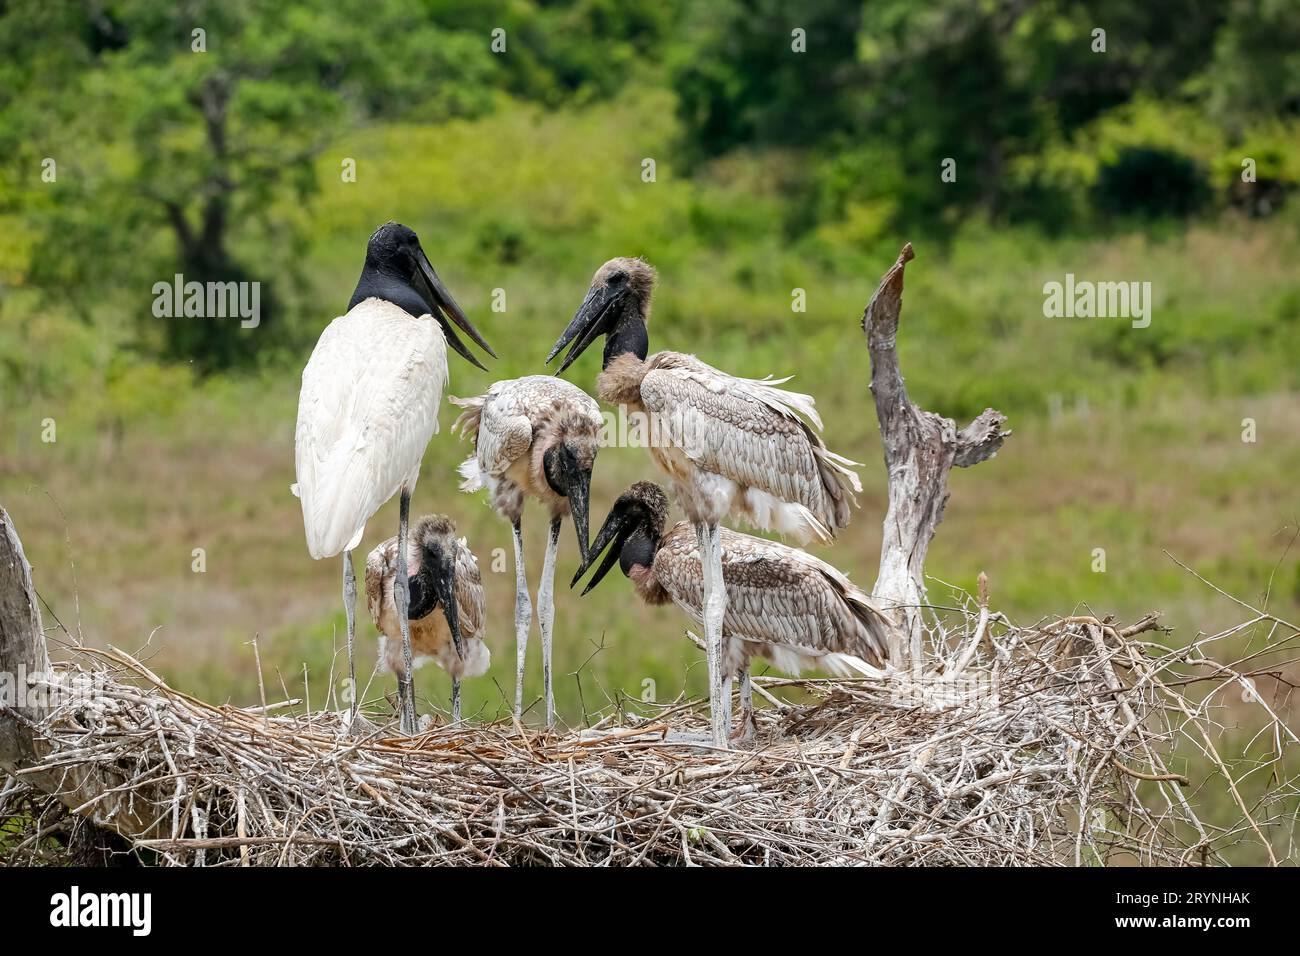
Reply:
x=1020, y=746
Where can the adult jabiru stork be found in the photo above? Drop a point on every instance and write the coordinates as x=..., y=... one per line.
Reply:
x=783, y=604
x=534, y=437
x=731, y=447
x=367, y=409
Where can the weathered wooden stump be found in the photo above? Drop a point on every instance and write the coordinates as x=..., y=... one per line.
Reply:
x=921, y=447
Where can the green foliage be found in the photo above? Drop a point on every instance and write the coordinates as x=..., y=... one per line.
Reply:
x=890, y=93
x=176, y=149
x=1255, y=71
x=740, y=82
x=1150, y=182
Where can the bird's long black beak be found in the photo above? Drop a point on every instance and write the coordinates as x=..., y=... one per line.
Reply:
x=579, y=508
x=611, y=536
x=591, y=320
x=444, y=307
x=446, y=585
x=434, y=585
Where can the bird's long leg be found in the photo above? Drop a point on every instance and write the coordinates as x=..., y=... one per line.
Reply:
x=350, y=607
x=715, y=608
x=546, y=616
x=523, y=619
x=455, y=700
x=402, y=592
x=747, y=729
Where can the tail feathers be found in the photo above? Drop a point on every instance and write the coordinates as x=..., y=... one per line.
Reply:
x=467, y=424
x=337, y=498
x=876, y=625
x=840, y=483
x=847, y=665
x=470, y=471
x=807, y=526
x=786, y=518
x=478, y=658
x=872, y=638
x=468, y=421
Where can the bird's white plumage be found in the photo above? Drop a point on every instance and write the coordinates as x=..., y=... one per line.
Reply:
x=367, y=409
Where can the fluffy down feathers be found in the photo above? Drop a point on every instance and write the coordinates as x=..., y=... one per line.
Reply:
x=430, y=635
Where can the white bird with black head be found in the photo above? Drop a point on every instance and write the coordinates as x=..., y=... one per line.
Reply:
x=368, y=407
x=731, y=447
x=534, y=437
x=783, y=604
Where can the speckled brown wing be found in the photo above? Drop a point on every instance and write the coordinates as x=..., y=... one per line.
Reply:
x=470, y=599
x=776, y=595
x=751, y=432
x=510, y=410
x=381, y=566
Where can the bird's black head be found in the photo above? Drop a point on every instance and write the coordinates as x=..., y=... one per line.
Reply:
x=567, y=465
x=433, y=585
x=631, y=532
x=617, y=306
x=397, y=271
x=392, y=248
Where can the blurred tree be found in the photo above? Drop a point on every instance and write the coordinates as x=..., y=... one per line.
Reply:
x=571, y=51
x=889, y=90
x=1256, y=69
x=1144, y=181
x=178, y=130
x=196, y=119
x=741, y=79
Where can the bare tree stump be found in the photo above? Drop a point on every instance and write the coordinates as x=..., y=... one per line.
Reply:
x=920, y=449
x=24, y=666
x=22, y=649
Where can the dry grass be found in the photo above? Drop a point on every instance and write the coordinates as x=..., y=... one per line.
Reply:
x=1051, y=744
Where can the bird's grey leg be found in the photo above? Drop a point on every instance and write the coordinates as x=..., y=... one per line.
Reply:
x=523, y=619
x=715, y=608
x=455, y=700
x=402, y=592
x=350, y=606
x=747, y=730
x=546, y=616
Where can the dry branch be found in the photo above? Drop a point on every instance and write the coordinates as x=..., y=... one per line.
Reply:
x=920, y=449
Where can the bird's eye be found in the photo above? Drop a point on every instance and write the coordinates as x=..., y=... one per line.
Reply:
x=618, y=278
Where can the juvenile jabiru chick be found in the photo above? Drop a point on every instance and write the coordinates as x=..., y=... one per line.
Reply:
x=447, y=605
x=534, y=437
x=731, y=447
x=783, y=604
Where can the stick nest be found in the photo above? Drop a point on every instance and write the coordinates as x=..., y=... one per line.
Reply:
x=1061, y=743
